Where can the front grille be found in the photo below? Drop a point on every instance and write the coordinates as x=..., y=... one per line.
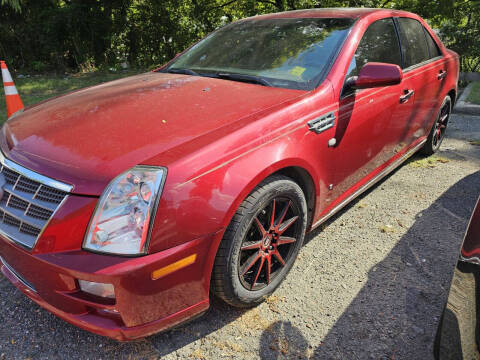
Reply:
x=26, y=206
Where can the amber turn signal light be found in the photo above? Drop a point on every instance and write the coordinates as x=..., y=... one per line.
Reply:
x=157, y=274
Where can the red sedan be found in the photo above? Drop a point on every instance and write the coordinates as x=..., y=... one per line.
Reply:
x=125, y=204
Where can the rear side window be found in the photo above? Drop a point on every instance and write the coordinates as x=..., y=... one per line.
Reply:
x=378, y=44
x=432, y=45
x=414, y=42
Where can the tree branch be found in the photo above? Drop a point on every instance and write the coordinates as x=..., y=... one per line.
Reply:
x=268, y=2
x=223, y=5
x=385, y=3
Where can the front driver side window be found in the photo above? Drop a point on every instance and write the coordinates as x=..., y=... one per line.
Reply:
x=378, y=44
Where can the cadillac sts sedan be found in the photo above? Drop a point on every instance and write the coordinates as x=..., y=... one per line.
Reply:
x=126, y=205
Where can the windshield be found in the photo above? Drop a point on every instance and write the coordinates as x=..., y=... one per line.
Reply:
x=283, y=52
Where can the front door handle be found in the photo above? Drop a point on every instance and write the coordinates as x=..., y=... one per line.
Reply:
x=441, y=75
x=408, y=94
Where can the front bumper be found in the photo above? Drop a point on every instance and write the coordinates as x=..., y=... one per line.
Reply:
x=142, y=306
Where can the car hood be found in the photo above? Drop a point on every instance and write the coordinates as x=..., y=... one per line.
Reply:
x=88, y=137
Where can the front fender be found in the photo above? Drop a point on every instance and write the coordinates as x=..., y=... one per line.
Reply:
x=207, y=203
x=213, y=199
x=203, y=190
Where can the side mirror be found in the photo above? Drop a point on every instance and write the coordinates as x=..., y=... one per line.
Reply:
x=374, y=74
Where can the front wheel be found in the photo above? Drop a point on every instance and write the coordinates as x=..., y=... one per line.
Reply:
x=261, y=243
x=439, y=128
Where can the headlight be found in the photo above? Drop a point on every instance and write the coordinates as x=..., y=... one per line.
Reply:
x=121, y=221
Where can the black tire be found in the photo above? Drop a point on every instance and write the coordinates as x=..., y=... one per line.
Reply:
x=232, y=276
x=439, y=128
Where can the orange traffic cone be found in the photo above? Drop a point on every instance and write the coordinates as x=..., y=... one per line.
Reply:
x=14, y=103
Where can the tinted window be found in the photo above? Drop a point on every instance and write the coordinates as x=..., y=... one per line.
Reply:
x=288, y=52
x=413, y=41
x=432, y=46
x=378, y=44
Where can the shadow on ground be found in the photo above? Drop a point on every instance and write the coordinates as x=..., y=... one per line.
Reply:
x=387, y=319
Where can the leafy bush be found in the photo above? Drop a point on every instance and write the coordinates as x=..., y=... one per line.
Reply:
x=461, y=32
x=83, y=35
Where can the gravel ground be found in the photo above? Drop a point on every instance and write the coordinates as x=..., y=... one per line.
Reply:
x=370, y=284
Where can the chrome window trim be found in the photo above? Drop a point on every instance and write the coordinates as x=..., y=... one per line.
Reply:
x=34, y=175
x=426, y=62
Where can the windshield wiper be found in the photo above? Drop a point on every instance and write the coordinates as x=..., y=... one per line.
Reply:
x=182, y=71
x=229, y=76
x=243, y=77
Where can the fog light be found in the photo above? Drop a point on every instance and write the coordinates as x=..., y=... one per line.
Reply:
x=98, y=289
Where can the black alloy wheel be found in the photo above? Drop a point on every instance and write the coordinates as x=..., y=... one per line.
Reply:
x=261, y=243
x=437, y=133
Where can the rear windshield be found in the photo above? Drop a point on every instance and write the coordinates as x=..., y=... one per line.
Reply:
x=285, y=52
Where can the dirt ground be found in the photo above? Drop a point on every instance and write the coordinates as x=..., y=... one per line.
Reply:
x=370, y=284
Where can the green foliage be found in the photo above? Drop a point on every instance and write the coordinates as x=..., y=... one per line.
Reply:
x=85, y=35
x=474, y=96
x=461, y=32
x=14, y=4
x=39, y=66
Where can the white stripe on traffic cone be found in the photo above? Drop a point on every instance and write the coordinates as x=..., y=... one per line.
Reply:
x=12, y=98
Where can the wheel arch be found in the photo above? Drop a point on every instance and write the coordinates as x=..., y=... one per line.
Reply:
x=453, y=95
x=303, y=178
x=298, y=170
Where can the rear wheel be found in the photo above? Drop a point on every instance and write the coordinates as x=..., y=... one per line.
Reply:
x=439, y=128
x=261, y=243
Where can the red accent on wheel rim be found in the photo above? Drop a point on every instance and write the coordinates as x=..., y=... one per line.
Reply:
x=264, y=257
x=441, y=124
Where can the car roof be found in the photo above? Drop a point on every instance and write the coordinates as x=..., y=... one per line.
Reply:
x=352, y=13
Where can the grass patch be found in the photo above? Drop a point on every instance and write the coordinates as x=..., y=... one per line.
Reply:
x=474, y=96
x=475, y=142
x=38, y=88
x=427, y=162
x=362, y=205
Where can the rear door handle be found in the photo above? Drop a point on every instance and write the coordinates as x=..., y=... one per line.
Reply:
x=441, y=75
x=408, y=94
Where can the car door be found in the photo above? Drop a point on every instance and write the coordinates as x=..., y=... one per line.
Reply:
x=424, y=68
x=365, y=136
